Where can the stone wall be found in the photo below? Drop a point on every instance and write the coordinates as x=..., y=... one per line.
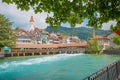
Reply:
x=113, y=51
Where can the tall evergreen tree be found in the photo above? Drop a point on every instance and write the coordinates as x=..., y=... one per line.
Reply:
x=7, y=35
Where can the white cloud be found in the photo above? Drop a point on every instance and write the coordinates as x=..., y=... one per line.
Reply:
x=106, y=26
x=22, y=17
x=83, y=24
x=77, y=25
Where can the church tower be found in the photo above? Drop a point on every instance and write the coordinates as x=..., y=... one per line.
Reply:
x=31, y=23
x=93, y=32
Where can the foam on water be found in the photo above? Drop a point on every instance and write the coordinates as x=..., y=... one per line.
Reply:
x=37, y=60
x=4, y=65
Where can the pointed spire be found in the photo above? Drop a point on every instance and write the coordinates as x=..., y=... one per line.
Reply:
x=32, y=23
x=93, y=33
x=31, y=19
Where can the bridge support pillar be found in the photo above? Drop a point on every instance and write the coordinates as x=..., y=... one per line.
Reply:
x=23, y=54
x=33, y=54
x=53, y=52
x=12, y=54
x=40, y=53
x=60, y=52
x=66, y=52
x=79, y=51
x=17, y=54
x=48, y=52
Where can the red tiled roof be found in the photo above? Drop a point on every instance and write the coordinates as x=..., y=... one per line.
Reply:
x=33, y=32
x=99, y=37
x=48, y=45
x=64, y=36
x=53, y=36
x=22, y=30
x=39, y=30
x=74, y=38
x=45, y=32
x=36, y=29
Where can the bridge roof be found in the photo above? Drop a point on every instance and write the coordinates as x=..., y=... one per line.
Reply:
x=50, y=45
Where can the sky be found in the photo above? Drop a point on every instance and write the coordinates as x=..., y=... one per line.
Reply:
x=21, y=18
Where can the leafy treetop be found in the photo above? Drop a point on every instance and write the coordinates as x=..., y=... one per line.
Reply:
x=74, y=11
x=94, y=47
x=116, y=39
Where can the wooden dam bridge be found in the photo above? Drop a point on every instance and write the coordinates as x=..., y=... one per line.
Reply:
x=41, y=49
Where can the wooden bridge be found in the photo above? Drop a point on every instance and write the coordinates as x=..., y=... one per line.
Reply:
x=39, y=49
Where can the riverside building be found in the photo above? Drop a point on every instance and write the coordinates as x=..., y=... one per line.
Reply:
x=102, y=40
x=36, y=35
x=37, y=41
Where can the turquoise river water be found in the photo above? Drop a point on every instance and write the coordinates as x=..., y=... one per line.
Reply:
x=53, y=67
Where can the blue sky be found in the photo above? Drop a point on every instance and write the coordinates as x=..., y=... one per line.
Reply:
x=21, y=18
x=78, y=25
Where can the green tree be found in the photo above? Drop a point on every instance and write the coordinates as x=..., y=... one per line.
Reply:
x=74, y=11
x=7, y=35
x=116, y=39
x=94, y=47
x=82, y=32
x=17, y=28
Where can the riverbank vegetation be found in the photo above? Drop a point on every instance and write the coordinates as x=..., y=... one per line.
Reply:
x=82, y=32
x=94, y=47
x=116, y=40
x=7, y=35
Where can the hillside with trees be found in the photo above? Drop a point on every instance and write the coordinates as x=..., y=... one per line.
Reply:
x=82, y=32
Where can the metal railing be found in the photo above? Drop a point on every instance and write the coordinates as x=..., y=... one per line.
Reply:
x=111, y=72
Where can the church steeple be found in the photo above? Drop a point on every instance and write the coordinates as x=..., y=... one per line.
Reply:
x=93, y=33
x=31, y=23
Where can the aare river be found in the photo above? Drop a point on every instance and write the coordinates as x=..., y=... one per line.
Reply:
x=53, y=67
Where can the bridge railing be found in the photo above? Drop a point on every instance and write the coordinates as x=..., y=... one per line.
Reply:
x=111, y=72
